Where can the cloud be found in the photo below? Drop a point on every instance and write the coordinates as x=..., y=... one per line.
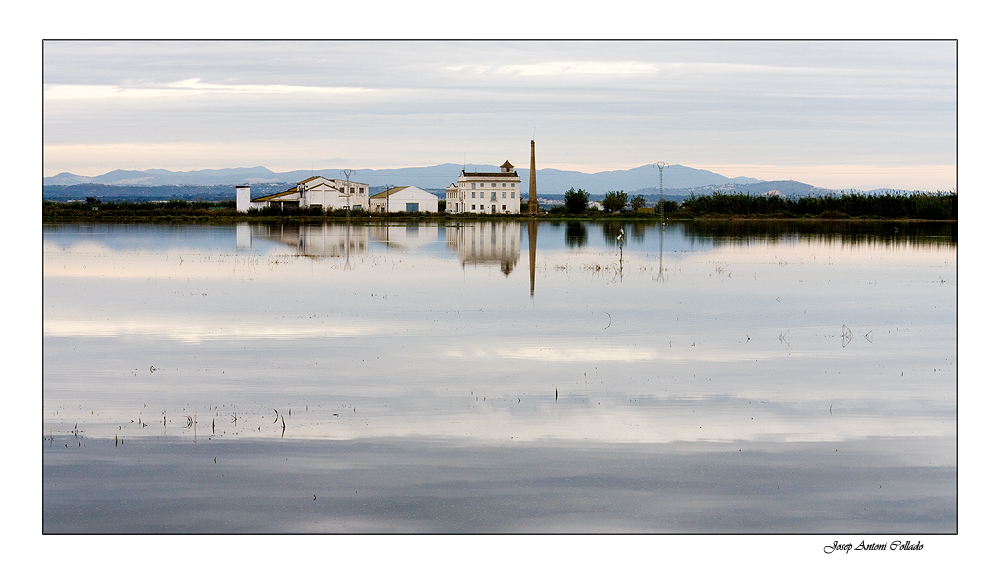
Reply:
x=560, y=68
x=189, y=87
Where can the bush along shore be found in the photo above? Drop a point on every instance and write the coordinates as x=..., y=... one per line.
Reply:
x=926, y=206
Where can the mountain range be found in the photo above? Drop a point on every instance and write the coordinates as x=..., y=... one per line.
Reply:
x=642, y=179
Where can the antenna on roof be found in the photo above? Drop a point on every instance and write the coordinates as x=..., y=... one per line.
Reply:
x=463, y=161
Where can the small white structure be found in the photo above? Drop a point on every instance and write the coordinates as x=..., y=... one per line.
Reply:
x=315, y=192
x=404, y=199
x=243, y=199
x=486, y=192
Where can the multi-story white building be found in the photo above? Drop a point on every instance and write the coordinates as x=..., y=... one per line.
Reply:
x=319, y=192
x=485, y=192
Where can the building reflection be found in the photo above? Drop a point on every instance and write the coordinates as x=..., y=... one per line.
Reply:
x=403, y=237
x=486, y=243
x=335, y=240
x=243, y=242
x=475, y=243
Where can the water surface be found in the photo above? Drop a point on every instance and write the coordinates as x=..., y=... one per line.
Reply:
x=500, y=377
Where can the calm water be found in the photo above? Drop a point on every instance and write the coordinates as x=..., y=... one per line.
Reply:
x=500, y=377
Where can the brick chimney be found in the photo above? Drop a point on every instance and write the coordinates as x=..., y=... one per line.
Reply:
x=532, y=191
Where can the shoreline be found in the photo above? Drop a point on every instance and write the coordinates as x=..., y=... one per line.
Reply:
x=232, y=218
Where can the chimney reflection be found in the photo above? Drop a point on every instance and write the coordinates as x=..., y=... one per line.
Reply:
x=532, y=241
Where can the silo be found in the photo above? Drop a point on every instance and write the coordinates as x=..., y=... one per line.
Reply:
x=243, y=199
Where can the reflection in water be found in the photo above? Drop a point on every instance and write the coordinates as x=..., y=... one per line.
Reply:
x=852, y=232
x=243, y=242
x=576, y=234
x=532, y=246
x=778, y=375
x=614, y=233
x=659, y=276
x=486, y=243
x=334, y=240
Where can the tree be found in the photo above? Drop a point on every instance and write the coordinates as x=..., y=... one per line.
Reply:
x=576, y=201
x=615, y=201
x=638, y=202
x=666, y=206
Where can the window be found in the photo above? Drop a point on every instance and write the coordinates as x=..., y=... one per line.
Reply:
x=482, y=195
x=412, y=207
x=493, y=185
x=505, y=194
x=505, y=184
x=505, y=207
x=482, y=207
x=493, y=196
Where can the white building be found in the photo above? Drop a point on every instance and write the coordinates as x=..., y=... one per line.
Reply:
x=486, y=192
x=404, y=199
x=316, y=192
x=243, y=199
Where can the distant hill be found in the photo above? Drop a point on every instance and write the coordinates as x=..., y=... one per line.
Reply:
x=789, y=188
x=550, y=181
x=214, y=185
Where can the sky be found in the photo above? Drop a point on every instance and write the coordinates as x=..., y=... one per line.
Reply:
x=834, y=114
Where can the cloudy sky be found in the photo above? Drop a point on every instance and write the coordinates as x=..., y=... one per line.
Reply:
x=833, y=114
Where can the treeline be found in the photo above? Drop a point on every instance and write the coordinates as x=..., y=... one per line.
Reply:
x=925, y=206
x=97, y=210
x=137, y=193
x=941, y=206
x=94, y=209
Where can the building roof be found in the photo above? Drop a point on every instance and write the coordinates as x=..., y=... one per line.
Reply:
x=507, y=165
x=310, y=178
x=389, y=192
x=277, y=197
x=384, y=195
x=490, y=175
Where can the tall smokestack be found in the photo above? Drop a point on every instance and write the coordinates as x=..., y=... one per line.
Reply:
x=532, y=191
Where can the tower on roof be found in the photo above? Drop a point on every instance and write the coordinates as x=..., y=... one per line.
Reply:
x=507, y=167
